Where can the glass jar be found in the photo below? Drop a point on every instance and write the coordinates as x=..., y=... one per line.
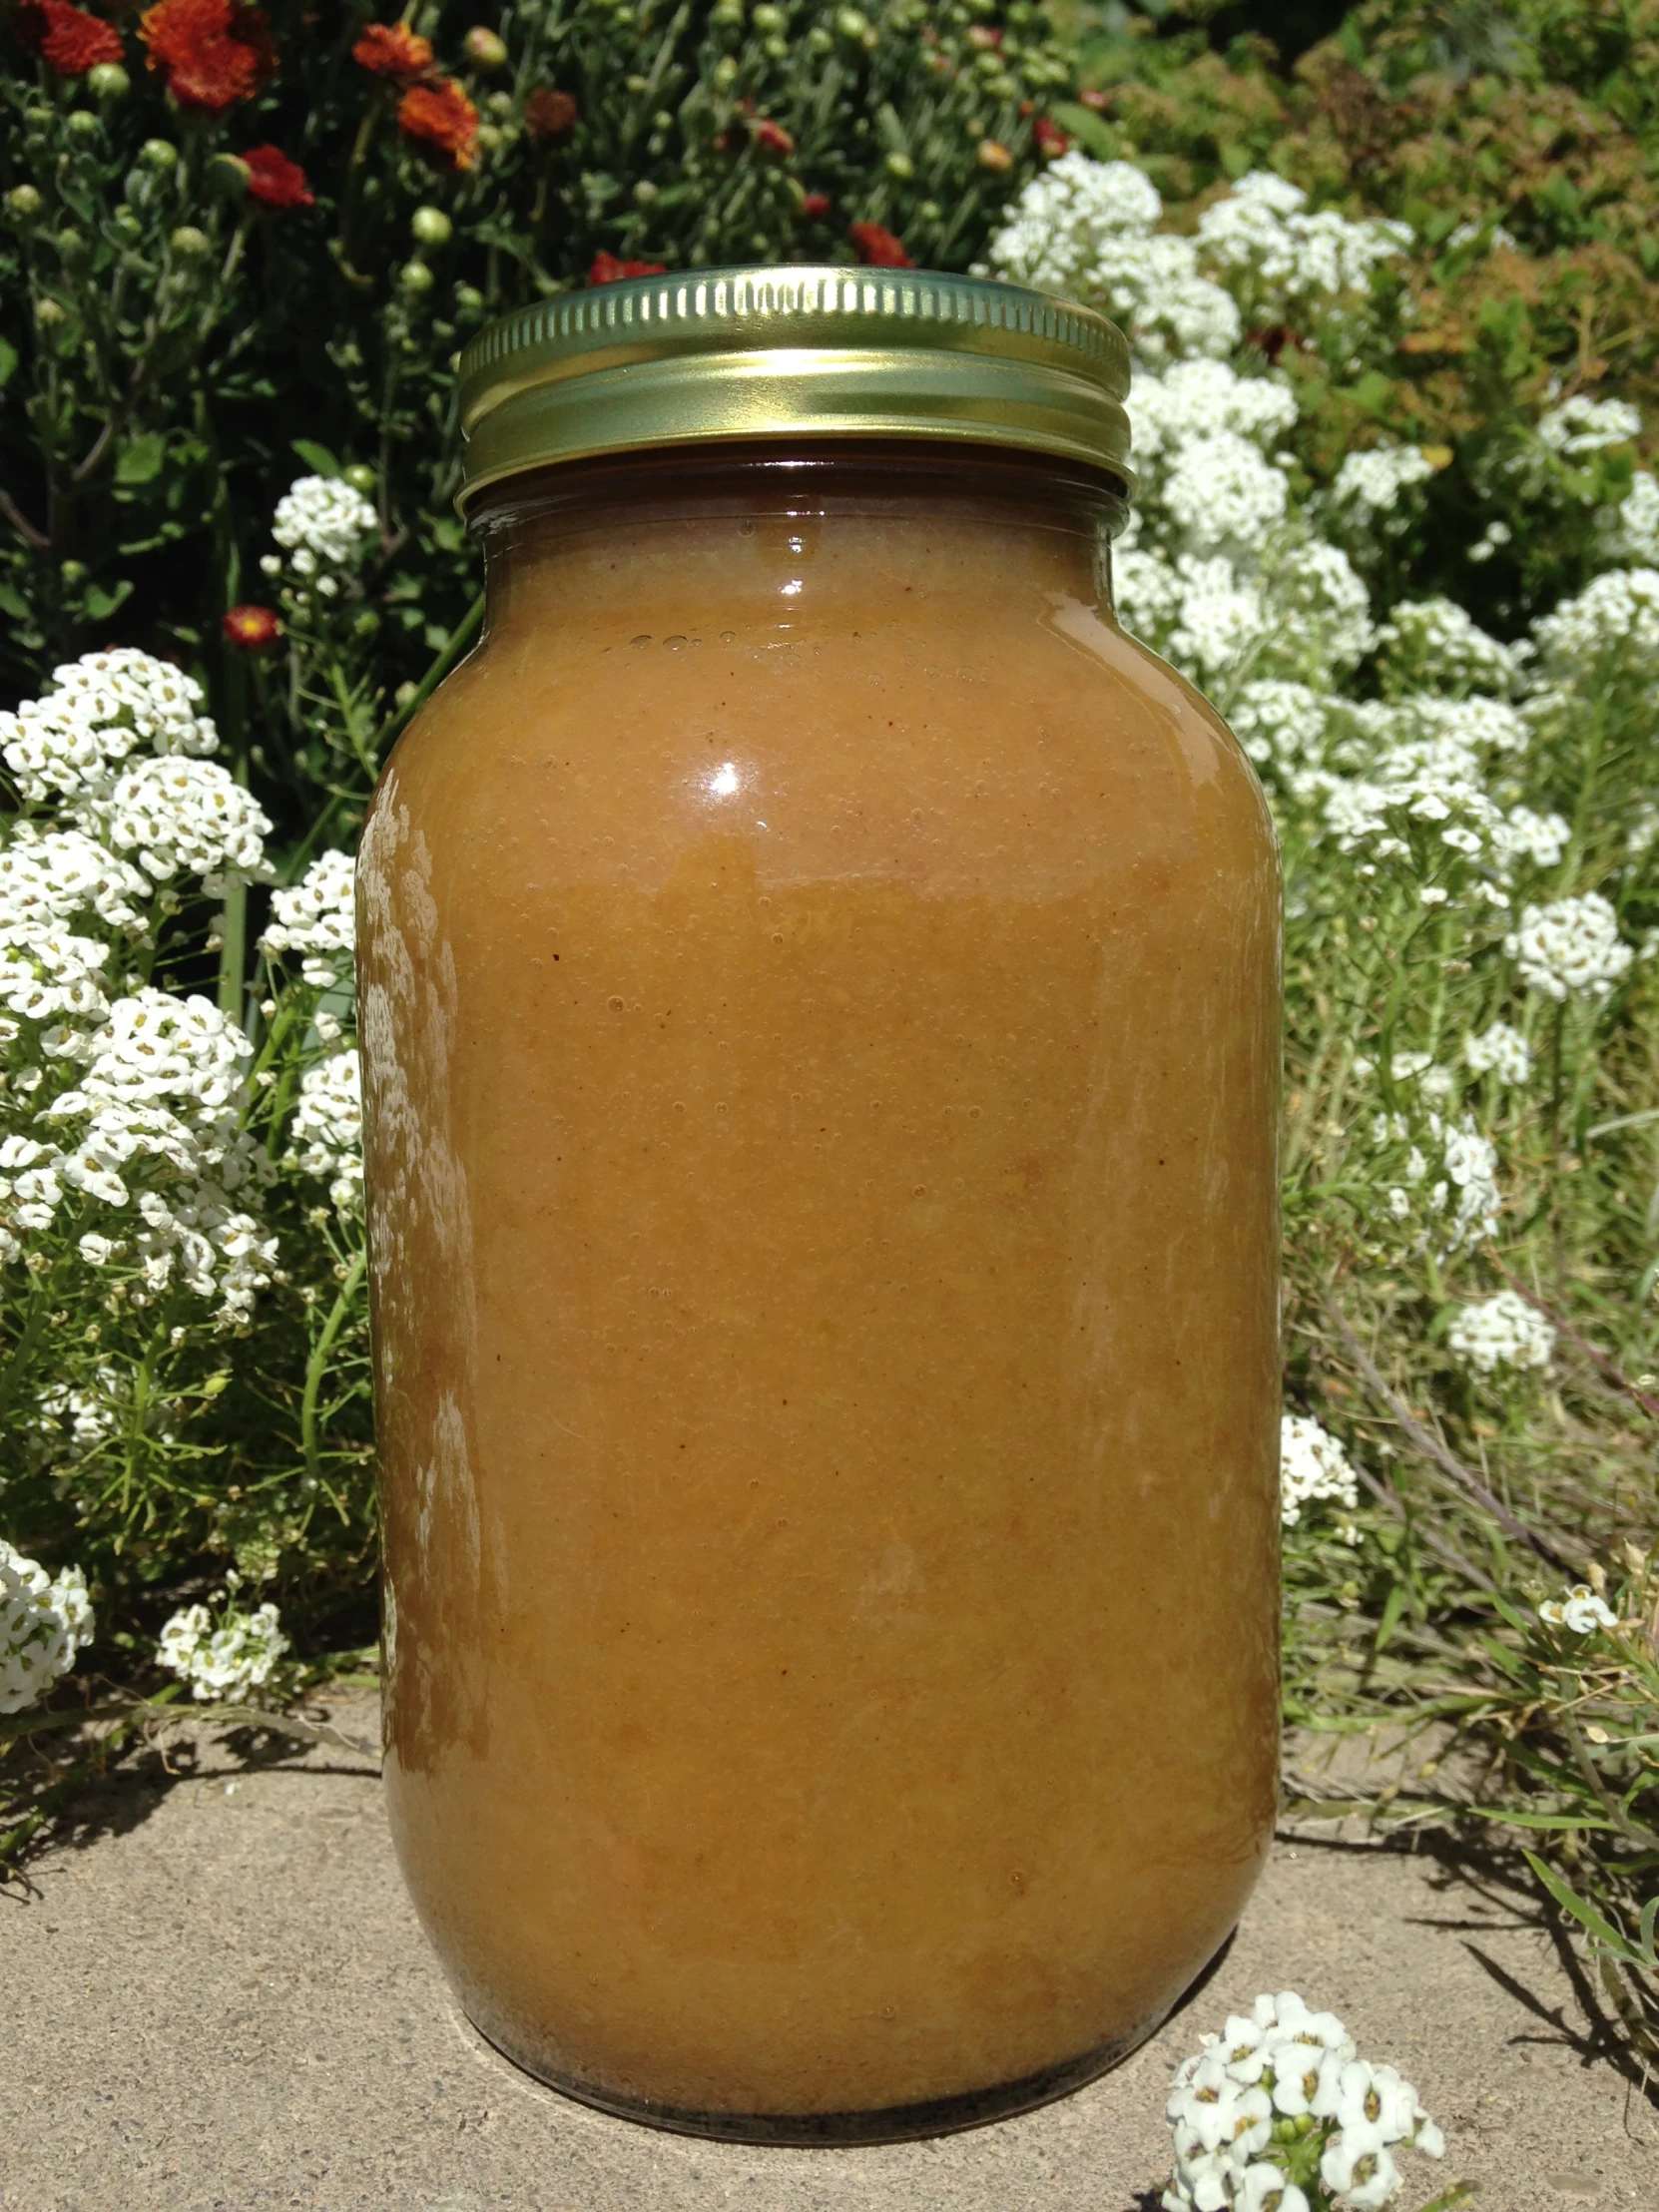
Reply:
x=820, y=1008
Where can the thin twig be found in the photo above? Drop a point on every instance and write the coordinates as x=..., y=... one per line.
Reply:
x=1598, y=1359
x=1431, y=1448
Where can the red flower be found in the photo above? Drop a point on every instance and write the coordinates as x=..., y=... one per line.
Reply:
x=814, y=204
x=275, y=181
x=214, y=52
x=607, y=270
x=441, y=116
x=772, y=138
x=549, y=113
x=67, y=39
x=1051, y=140
x=878, y=249
x=393, y=50
x=251, y=629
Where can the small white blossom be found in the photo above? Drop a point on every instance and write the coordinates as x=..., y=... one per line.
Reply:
x=1500, y=1051
x=1303, y=2066
x=329, y=1128
x=226, y=1659
x=315, y=918
x=1312, y=1465
x=1584, y=425
x=1368, y=483
x=44, y=1623
x=323, y=520
x=1578, y=1611
x=1501, y=1332
x=1570, y=948
x=1263, y=227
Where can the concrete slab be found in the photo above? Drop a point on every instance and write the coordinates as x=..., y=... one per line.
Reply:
x=222, y=2003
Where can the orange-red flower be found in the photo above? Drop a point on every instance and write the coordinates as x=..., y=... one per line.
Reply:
x=878, y=249
x=275, y=181
x=1051, y=140
x=65, y=38
x=814, y=204
x=440, y=115
x=252, y=628
x=549, y=113
x=607, y=270
x=393, y=50
x=772, y=138
x=214, y=52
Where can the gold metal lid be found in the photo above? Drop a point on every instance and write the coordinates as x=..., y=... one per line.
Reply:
x=793, y=352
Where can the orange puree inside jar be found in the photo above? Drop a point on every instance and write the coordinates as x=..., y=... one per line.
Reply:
x=818, y=986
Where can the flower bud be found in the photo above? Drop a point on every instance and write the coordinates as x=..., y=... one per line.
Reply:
x=159, y=154
x=416, y=278
x=50, y=314
x=468, y=299
x=71, y=247
x=990, y=154
x=73, y=572
x=769, y=19
x=818, y=40
x=362, y=478
x=431, y=227
x=851, y=22
x=188, y=242
x=901, y=164
x=644, y=193
x=485, y=49
x=229, y=174
x=728, y=14
x=776, y=48
x=23, y=203
x=726, y=72
x=108, y=81
x=81, y=123
x=491, y=137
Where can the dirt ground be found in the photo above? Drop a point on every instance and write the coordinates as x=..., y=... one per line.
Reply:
x=221, y=2003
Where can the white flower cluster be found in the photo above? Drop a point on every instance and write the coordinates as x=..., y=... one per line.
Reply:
x=1615, y=620
x=1283, y=2062
x=1263, y=229
x=1570, y=948
x=161, y=1103
x=325, y=526
x=1584, y=425
x=1501, y=1051
x=1312, y=1466
x=44, y=1622
x=1461, y=1206
x=184, y=818
x=99, y=710
x=1434, y=642
x=1578, y=1610
x=226, y=1658
x=1369, y=483
x=1433, y=789
x=329, y=1128
x=1089, y=229
x=1501, y=1332
x=1633, y=533
x=315, y=919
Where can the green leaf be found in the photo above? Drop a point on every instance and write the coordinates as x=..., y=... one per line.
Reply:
x=8, y=361
x=1581, y=1909
x=102, y=604
x=1091, y=133
x=317, y=457
x=141, y=462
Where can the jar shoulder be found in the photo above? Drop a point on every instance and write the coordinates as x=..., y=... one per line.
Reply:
x=945, y=733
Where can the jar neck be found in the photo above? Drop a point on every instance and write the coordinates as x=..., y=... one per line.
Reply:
x=792, y=535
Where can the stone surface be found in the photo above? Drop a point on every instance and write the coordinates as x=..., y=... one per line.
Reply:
x=222, y=2003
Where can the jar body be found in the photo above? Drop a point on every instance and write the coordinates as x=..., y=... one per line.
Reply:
x=819, y=996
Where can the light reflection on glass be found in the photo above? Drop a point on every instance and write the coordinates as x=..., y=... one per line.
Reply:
x=724, y=781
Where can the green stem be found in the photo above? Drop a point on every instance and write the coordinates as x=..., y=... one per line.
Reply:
x=317, y=1365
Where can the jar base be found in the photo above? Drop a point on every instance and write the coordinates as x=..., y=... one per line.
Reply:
x=897, y=2123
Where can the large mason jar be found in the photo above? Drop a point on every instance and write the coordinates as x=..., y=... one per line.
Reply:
x=820, y=1008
